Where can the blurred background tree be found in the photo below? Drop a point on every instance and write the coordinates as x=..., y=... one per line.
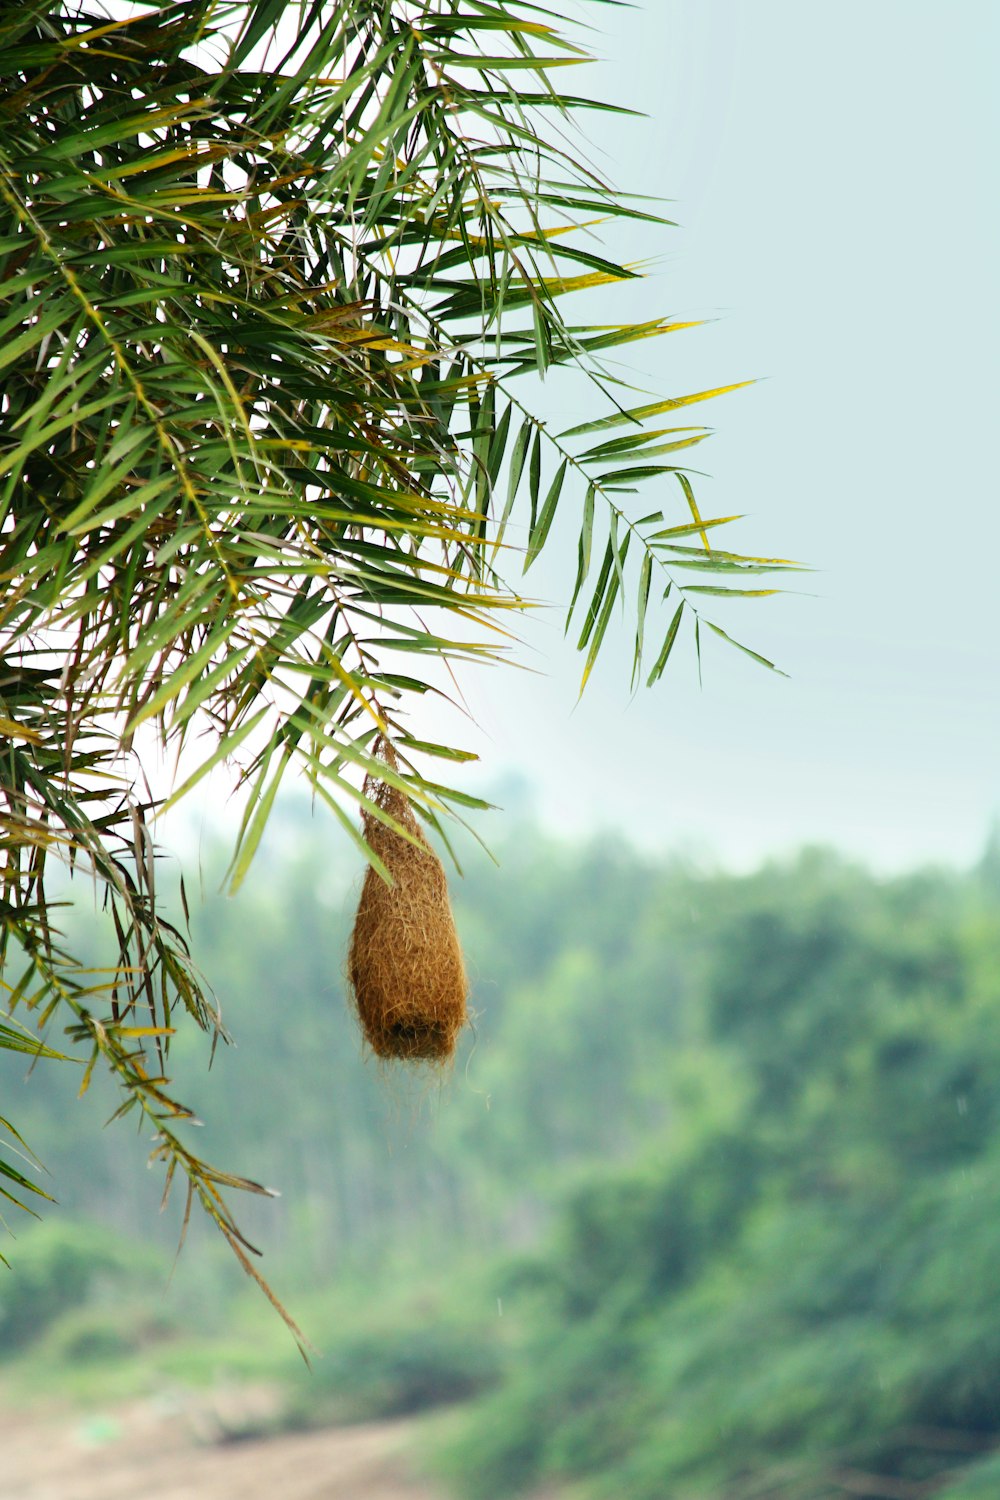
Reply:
x=271, y=278
x=667, y=1232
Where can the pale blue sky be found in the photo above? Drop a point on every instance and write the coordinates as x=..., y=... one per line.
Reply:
x=832, y=173
x=831, y=170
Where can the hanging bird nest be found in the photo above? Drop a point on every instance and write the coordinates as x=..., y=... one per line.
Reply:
x=405, y=965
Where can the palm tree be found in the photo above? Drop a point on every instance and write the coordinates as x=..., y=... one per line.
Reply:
x=269, y=276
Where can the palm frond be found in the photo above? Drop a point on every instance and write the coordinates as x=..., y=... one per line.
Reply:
x=264, y=300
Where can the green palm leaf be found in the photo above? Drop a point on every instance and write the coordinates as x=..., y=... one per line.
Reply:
x=260, y=324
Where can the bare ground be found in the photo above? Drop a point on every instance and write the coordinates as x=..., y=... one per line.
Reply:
x=171, y=1450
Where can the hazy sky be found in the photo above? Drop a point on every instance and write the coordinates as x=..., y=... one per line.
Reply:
x=832, y=173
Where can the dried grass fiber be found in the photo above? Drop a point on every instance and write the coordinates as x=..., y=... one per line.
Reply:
x=405, y=964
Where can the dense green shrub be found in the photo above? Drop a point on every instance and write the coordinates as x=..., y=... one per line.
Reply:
x=797, y=1292
x=57, y=1266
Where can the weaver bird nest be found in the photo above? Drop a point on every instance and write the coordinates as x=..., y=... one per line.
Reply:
x=405, y=965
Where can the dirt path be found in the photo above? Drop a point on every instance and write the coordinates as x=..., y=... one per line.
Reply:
x=165, y=1451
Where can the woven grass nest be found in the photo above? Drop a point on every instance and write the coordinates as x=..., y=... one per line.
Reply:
x=405, y=965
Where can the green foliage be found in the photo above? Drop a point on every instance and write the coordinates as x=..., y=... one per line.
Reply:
x=797, y=1293
x=61, y=1266
x=737, y=1238
x=398, y=1370
x=362, y=1159
x=268, y=274
x=107, y=1334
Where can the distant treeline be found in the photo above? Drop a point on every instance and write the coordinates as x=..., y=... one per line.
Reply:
x=736, y=1141
x=793, y=1292
x=581, y=961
